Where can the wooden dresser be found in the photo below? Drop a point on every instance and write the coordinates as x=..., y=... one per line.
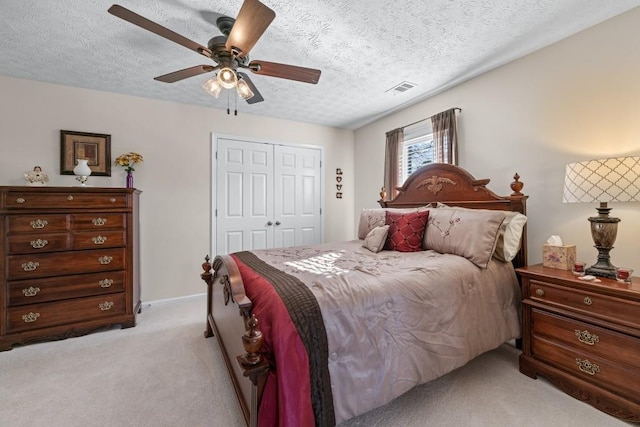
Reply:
x=69, y=262
x=583, y=337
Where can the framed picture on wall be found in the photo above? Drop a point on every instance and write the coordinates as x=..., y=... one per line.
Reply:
x=94, y=147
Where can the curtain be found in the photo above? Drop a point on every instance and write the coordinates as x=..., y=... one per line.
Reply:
x=445, y=137
x=392, y=152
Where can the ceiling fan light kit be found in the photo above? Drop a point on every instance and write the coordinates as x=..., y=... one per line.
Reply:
x=212, y=87
x=229, y=52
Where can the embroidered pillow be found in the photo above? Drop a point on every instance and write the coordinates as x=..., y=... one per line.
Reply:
x=372, y=218
x=406, y=231
x=376, y=238
x=469, y=233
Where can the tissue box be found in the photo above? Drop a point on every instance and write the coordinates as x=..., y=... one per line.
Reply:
x=560, y=257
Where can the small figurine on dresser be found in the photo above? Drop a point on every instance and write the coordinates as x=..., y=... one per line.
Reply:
x=36, y=177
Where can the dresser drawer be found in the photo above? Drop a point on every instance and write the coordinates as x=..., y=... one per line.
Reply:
x=589, y=303
x=601, y=372
x=37, y=224
x=65, y=263
x=97, y=221
x=66, y=287
x=37, y=243
x=98, y=239
x=37, y=316
x=64, y=200
x=585, y=337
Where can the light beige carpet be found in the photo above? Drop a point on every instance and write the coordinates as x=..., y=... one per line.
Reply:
x=164, y=372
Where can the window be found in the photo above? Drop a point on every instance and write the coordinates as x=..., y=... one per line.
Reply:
x=418, y=150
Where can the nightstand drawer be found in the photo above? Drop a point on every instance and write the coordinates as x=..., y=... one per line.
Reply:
x=589, y=367
x=584, y=337
x=66, y=287
x=65, y=263
x=37, y=243
x=57, y=313
x=592, y=304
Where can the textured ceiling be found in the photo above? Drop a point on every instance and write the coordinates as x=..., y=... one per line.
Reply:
x=363, y=47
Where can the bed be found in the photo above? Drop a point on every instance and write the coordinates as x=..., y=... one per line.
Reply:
x=319, y=334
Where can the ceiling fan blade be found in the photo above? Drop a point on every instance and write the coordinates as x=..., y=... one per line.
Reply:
x=284, y=71
x=257, y=97
x=252, y=21
x=158, y=29
x=185, y=74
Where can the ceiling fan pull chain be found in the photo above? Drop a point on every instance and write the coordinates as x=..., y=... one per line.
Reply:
x=228, y=110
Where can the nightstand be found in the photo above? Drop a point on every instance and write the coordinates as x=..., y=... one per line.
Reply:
x=583, y=337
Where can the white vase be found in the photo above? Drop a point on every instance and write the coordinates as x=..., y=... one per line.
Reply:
x=82, y=171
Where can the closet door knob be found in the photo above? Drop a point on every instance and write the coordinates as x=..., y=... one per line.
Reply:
x=270, y=223
x=278, y=222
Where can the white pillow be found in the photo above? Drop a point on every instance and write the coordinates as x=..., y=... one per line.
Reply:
x=374, y=241
x=509, y=241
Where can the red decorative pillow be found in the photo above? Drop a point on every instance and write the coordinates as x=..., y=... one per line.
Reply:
x=406, y=231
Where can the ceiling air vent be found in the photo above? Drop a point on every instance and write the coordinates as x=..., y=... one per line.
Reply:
x=402, y=87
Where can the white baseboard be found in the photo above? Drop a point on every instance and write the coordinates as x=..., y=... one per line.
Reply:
x=147, y=304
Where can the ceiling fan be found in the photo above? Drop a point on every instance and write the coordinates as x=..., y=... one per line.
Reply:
x=229, y=51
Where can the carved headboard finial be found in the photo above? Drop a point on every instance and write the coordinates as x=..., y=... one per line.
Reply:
x=516, y=185
x=383, y=194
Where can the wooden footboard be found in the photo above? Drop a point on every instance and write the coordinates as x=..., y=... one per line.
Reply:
x=226, y=301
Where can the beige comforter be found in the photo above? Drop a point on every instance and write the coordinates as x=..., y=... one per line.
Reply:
x=395, y=320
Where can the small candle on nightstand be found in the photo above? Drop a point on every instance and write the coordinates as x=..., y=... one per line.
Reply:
x=623, y=274
x=578, y=267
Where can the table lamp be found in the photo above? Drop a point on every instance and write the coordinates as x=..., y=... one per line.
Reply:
x=606, y=180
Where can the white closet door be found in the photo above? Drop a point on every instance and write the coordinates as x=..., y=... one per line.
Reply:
x=244, y=196
x=297, y=196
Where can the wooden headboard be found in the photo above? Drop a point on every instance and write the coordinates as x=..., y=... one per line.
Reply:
x=454, y=186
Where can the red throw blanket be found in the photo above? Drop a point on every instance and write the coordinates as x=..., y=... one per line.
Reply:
x=286, y=400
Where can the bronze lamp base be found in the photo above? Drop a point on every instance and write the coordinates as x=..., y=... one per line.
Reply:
x=604, y=230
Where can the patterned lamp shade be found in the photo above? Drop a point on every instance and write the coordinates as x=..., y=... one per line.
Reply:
x=606, y=180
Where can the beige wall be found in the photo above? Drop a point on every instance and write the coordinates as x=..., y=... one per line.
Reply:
x=175, y=140
x=578, y=99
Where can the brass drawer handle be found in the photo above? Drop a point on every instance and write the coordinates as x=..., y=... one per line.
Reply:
x=69, y=197
x=587, y=337
x=39, y=223
x=31, y=317
x=20, y=200
x=104, y=260
x=587, y=301
x=105, y=283
x=99, y=240
x=540, y=292
x=39, y=244
x=30, y=291
x=587, y=367
x=99, y=222
x=30, y=266
x=112, y=200
x=104, y=306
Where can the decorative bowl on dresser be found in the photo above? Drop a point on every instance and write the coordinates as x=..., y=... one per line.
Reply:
x=584, y=337
x=69, y=262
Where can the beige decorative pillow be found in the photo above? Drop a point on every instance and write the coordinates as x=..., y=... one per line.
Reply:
x=376, y=217
x=374, y=241
x=469, y=233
